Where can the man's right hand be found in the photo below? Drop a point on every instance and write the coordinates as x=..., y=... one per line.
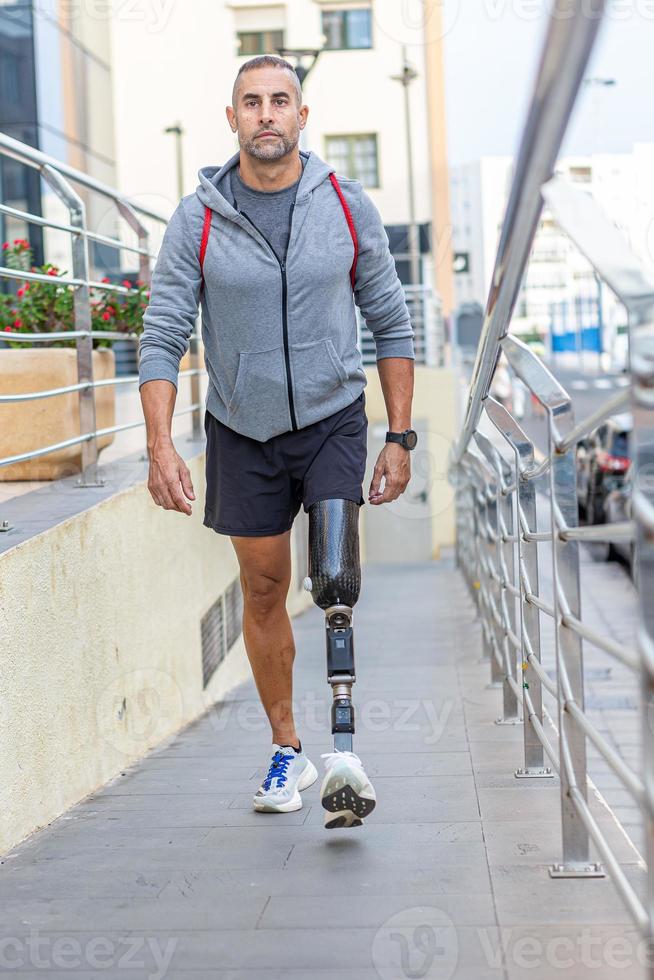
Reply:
x=169, y=480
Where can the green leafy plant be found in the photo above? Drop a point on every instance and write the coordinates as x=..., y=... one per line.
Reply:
x=44, y=307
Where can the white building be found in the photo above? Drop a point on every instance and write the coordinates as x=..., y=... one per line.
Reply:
x=179, y=67
x=560, y=292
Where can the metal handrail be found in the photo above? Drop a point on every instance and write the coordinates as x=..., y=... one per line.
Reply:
x=61, y=178
x=572, y=32
x=498, y=534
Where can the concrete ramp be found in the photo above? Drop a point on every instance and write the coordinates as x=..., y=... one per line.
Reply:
x=167, y=872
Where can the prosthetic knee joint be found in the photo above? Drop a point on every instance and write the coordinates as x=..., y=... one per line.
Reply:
x=334, y=582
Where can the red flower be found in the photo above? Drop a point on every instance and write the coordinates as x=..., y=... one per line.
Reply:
x=7, y=328
x=106, y=279
x=5, y=246
x=127, y=283
x=106, y=316
x=53, y=271
x=22, y=291
x=18, y=323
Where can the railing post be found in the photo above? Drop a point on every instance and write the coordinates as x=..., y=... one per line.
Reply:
x=527, y=555
x=569, y=650
x=481, y=583
x=502, y=524
x=467, y=531
x=642, y=365
x=196, y=396
x=83, y=321
x=488, y=587
x=145, y=269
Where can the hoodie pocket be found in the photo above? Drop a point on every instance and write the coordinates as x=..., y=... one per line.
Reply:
x=258, y=406
x=318, y=374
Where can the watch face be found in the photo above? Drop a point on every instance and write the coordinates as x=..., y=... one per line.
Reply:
x=411, y=439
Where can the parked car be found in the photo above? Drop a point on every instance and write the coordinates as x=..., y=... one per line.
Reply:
x=603, y=460
x=618, y=508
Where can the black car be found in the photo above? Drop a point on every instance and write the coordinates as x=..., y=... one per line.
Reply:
x=618, y=508
x=603, y=460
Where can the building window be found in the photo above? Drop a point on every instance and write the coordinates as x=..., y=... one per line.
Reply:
x=259, y=42
x=581, y=175
x=347, y=28
x=354, y=156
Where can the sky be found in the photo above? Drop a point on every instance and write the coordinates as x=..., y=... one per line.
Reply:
x=492, y=49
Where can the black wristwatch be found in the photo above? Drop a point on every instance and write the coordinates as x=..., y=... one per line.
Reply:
x=408, y=438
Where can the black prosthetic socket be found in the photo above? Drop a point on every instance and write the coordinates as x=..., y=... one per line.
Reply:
x=335, y=577
x=334, y=567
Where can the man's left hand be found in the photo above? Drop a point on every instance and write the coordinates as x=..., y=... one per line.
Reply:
x=394, y=464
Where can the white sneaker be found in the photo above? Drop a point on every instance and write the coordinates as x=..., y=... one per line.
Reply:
x=347, y=794
x=288, y=773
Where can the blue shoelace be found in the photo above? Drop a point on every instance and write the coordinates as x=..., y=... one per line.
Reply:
x=277, y=770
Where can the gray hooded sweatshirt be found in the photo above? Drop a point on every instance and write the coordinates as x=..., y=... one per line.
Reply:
x=280, y=338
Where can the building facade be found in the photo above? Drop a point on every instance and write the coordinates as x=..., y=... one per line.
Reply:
x=56, y=94
x=357, y=120
x=561, y=300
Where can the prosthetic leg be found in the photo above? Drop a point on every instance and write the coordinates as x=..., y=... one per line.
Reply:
x=335, y=582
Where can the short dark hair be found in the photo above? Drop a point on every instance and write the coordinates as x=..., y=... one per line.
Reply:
x=269, y=61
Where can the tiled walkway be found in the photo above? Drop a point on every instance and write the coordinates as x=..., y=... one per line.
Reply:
x=169, y=873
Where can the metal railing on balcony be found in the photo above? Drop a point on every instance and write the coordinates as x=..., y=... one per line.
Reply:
x=63, y=181
x=499, y=478
x=426, y=312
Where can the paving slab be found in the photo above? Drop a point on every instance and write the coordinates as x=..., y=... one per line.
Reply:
x=168, y=872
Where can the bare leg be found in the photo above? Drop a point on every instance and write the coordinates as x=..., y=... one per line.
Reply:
x=265, y=565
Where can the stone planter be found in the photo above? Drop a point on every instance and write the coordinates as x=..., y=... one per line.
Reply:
x=29, y=425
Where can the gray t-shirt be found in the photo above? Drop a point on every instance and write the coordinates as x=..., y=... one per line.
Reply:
x=270, y=211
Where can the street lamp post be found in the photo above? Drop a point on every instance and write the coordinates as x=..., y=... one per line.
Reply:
x=178, y=133
x=408, y=75
x=299, y=54
x=596, y=84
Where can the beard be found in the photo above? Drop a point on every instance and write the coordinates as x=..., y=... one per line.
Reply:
x=269, y=149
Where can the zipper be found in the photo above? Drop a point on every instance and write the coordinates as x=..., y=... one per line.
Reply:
x=287, y=358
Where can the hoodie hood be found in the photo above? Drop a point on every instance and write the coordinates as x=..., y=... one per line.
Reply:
x=214, y=187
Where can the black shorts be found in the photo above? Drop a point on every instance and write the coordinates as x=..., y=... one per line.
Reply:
x=256, y=488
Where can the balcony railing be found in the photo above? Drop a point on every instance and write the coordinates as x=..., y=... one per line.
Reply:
x=498, y=476
x=63, y=181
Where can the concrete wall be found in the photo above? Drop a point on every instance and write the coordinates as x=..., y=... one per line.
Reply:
x=100, y=626
x=435, y=400
x=101, y=649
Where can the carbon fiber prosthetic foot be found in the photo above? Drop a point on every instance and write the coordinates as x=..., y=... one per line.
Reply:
x=335, y=582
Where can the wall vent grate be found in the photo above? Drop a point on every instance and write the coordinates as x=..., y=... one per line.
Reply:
x=221, y=627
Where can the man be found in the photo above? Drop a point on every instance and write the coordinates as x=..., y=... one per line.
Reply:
x=277, y=250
